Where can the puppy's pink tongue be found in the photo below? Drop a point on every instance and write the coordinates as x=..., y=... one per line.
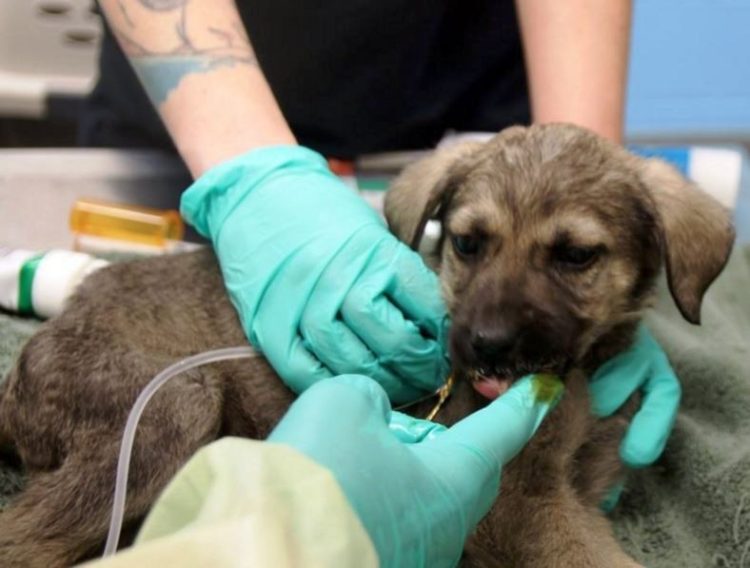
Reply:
x=491, y=387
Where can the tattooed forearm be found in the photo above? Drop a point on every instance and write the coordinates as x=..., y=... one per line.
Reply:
x=169, y=40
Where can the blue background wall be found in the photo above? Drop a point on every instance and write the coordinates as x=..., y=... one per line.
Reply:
x=690, y=70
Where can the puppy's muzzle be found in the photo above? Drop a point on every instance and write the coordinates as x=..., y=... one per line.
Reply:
x=495, y=356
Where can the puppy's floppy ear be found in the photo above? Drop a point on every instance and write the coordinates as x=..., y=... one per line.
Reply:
x=697, y=234
x=419, y=192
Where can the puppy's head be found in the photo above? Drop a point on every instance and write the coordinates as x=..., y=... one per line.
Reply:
x=551, y=241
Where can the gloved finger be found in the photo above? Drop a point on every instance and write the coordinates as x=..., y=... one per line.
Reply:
x=411, y=430
x=346, y=402
x=270, y=322
x=342, y=352
x=470, y=455
x=339, y=347
x=613, y=383
x=648, y=432
x=415, y=291
x=290, y=358
x=499, y=431
x=398, y=342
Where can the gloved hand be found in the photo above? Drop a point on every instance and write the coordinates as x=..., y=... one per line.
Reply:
x=644, y=366
x=322, y=288
x=420, y=492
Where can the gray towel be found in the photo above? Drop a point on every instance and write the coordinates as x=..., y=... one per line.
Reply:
x=692, y=509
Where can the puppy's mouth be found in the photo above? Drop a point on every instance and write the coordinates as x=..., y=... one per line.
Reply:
x=489, y=384
x=494, y=383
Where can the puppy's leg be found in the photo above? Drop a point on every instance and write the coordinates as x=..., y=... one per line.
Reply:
x=598, y=468
x=558, y=531
x=63, y=515
x=41, y=527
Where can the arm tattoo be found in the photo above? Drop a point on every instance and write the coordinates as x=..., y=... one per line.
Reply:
x=226, y=36
x=161, y=71
x=125, y=15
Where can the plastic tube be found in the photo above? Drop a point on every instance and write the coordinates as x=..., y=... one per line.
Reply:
x=128, y=437
x=126, y=448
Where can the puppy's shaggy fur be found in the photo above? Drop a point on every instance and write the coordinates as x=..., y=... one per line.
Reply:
x=552, y=239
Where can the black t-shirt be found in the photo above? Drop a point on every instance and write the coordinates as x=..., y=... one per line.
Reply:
x=353, y=76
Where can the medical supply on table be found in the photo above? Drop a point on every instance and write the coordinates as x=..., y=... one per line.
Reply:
x=39, y=283
x=100, y=226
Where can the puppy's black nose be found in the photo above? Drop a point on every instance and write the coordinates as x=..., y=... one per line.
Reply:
x=493, y=346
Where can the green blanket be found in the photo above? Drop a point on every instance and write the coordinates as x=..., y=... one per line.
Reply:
x=692, y=509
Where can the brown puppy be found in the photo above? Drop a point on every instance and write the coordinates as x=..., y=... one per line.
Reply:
x=551, y=242
x=552, y=239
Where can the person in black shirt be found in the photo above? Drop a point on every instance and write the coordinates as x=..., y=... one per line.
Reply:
x=426, y=67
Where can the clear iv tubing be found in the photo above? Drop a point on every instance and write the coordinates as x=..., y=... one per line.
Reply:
x=126, y=448
x=128, y=437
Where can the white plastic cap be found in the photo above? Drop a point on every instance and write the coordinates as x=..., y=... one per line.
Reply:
x=58, y=275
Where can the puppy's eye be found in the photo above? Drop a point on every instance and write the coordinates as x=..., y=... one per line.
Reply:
x=576, y=258
x=466, y=245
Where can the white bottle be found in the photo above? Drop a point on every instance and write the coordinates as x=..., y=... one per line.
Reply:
x=40, y=283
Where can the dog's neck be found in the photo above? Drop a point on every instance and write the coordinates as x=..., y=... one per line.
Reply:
x=612, y=343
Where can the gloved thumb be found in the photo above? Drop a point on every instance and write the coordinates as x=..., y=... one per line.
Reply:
x=500, y=430
x=471, y=454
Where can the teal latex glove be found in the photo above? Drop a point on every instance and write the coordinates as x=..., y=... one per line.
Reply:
x=418, y=488
x=321, y=286
x=644, y=366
